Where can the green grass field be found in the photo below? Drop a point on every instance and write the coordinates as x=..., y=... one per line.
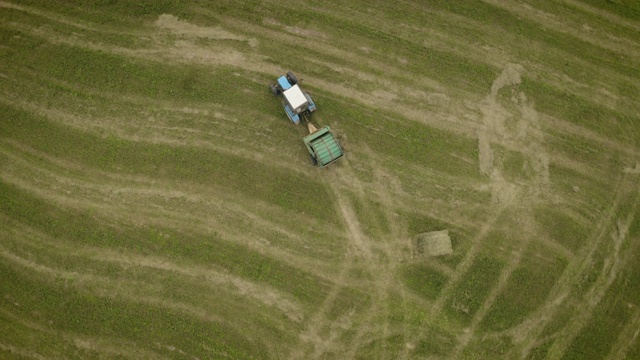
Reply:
x=156, y=202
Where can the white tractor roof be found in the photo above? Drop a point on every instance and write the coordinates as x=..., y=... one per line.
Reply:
x=295, y=97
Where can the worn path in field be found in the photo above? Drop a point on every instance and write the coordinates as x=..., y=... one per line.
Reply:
x=377, y=257
x=613, y=264
x=578, y=269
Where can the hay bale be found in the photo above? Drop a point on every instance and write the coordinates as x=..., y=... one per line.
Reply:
x=434, y=243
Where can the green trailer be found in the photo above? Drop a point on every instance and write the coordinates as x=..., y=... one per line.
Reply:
x=322, y=146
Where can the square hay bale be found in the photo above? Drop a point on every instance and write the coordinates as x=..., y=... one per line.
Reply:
x=434, y=243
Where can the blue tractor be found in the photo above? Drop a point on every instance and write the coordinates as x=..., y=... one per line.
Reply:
x=295, y=101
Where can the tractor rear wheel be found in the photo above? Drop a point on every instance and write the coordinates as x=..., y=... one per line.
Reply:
x=292, y=78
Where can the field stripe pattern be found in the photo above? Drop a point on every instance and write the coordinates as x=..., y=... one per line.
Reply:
x=155, y=202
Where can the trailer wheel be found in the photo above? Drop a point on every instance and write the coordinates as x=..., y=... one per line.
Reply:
x=275, y=89
x=292, y=78
x=313, y=160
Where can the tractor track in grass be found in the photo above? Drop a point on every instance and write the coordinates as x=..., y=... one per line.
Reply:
x=568, y=128
x=150, y=292
x=22, y=352
x=575, y=270
x=435, y=308
x=628, y=336
x=613, y=264
x=119, y=189
x=388, y=189
x=533, y=144
x=65, y=172
x=49, y=16
x=506, y=195
x=175, y=136
x=311, y=337
x=402, y=197
x=130, y=263
x=103, y=286
x=488, y=53
x=358, y=251
x=186, y=51
x=376, y=257
x=151, y=202
x=191, y=53
x=173, y=220
x=213, y=127
x=109, y=345
x=383, y=266
x=514, y=260
x=612, y=18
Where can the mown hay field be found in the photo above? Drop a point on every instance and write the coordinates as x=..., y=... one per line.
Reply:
x=155, y=201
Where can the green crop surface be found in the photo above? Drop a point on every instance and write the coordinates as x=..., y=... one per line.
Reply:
x=157, y=203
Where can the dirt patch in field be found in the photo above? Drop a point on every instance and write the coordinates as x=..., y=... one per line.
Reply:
x=112, y=347
x=633, y=170
x=314, y=34
x=184, y=28
x=517, y=130
x=493, y=130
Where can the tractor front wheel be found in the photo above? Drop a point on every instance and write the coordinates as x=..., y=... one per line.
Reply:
x=275, y=89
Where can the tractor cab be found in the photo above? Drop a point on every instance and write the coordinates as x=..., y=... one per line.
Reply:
x=295, y=101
